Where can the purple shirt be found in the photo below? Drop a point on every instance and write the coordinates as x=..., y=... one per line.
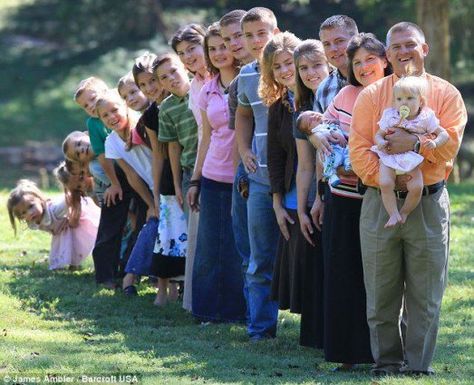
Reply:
x=218, y=164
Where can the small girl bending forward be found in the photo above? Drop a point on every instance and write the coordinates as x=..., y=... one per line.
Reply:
x=73, y=229
x=409, y=112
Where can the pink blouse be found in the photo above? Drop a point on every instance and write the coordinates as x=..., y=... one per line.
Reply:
x=218, y=164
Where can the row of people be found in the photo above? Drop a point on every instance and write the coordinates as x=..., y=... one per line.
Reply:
x=282, y=172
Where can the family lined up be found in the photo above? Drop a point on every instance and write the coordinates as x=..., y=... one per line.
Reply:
x=287, y=174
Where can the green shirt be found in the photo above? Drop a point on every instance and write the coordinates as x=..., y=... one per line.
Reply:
x=97, y=134
x=177, y=124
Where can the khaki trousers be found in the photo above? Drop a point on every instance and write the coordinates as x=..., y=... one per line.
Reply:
x=405, y=263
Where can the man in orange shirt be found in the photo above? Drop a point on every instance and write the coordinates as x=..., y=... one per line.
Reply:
x=407, y=262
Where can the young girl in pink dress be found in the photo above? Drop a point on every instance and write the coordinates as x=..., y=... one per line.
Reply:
x=73, y=225
x=410, y=113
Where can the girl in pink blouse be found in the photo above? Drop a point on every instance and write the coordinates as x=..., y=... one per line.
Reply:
x=217, y=293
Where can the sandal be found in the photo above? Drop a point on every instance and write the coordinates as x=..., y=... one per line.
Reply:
x=130, y=290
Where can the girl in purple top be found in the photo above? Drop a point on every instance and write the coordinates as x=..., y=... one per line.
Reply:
x=217, y=280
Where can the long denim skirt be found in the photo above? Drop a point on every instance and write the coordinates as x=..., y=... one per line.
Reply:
x=217, y=277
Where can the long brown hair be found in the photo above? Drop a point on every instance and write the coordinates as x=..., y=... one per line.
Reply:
x=269, y=89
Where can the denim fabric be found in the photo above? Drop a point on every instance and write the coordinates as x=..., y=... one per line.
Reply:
x=263, y=236
x=140, y=260
x=240, y=228
x=217, y=281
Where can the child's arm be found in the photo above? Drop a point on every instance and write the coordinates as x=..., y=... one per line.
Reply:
x=193, y=192
x=158, y=160
x=174, y=150
x=139, y=186
x=442, y=137
x=244, y=133
x=114, y=191
x=380, y=140
x=317, y=211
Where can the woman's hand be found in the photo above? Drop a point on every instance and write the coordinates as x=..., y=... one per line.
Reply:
x=306, y=227
x=157, y=206
x=192, y=198
x=317, y=212
x=112, y=193
x=282, y=217
x=322, y=141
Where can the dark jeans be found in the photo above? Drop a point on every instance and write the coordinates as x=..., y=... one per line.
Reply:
x=106, y=253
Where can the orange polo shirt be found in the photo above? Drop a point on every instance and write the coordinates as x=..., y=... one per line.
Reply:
x=442, y=97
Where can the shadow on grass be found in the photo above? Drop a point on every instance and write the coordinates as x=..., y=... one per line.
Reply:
x=168, y=334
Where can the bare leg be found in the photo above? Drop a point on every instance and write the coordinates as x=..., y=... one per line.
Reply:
x=415, y=188
x=387, y=185
x=128, y=280
x=173, y=291
x=162, y=296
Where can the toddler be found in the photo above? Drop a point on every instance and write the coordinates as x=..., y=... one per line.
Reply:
x=410, y=113
x=72, y=222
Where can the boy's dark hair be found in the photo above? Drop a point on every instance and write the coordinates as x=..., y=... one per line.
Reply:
x=260, y=14
x=143, y=63
x=193, y=33
x=339, y=21
x=232, y=17
x=372, y=45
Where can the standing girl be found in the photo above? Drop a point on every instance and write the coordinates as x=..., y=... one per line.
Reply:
x=217, y=280
x=188, y=43
x=166, y=264
x=72, y=221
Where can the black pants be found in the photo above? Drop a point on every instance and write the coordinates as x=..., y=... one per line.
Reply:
x=106, y=253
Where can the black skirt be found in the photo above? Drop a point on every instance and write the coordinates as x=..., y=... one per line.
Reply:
x=297, y=282
x=346, y=332
x=164, y=266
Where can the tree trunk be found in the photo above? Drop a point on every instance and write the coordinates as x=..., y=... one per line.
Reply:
x=433, y=18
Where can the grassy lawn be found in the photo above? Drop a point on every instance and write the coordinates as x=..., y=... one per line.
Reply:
x=60, y=323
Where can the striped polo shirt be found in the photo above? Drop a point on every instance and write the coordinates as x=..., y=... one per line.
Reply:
x=248, y=97
x=177, y=124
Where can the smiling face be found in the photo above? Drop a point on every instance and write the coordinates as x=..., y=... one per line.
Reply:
x=29, y=209
x=406, y=52
x=87, y=101
x=335, y=41
x=235, y=42
x=283, y=68
x=173, y=77
x=132, y=95
x=219, y=55
x=192, y=56
x=79, y=149
x=149, y=85
x=368, y=67
x=312, y=73
x=257, y=34
x=113, y=114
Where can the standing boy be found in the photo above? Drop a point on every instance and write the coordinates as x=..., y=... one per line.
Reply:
x=259, y=25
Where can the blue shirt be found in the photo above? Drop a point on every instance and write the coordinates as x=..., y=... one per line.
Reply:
x=249, y=78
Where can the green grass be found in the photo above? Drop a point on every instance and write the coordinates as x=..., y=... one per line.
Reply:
x=61, y=323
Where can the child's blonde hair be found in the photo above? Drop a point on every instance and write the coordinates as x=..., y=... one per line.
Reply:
x=70, y=136
x=412, y=85
x=90, y=83
x=312, y=50
x=269, y=89
x=113, y=96
x=73, y=196
x=16, y=196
